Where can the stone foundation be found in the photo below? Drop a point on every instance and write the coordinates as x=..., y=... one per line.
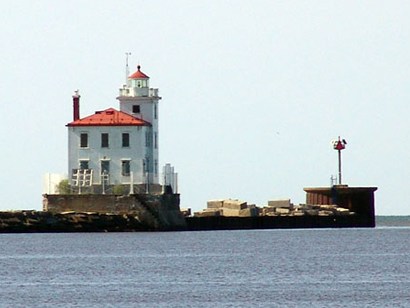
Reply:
x=159, y=212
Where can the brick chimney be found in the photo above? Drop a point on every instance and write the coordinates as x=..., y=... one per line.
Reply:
x=76, y=105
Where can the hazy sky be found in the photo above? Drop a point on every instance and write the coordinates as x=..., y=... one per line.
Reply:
x=253, y=92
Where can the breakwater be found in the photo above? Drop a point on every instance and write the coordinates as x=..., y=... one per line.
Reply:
x=161, y=212
x=276, y=222
x=98, y=213
x=139, y=212
x=41, y=221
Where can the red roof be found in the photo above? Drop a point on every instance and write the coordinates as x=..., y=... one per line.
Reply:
x=109, y=117
x=138, y=74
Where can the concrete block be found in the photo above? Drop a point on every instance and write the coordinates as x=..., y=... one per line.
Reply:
x=342, y=211
x=207, y=213
x=271, y=214
x=255, y=211
x=249, y=212
x=234, y=204
x=230, y=212
x=267, y=210
x=186, y=212
x=312, y=212
x=245, y=213
x=328, y=207
x=280, y=203
x=281, y=210
x=325, y=213
x=211, y=210
x=214, y=204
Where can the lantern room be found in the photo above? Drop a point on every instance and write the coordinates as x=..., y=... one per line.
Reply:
x=139, y=82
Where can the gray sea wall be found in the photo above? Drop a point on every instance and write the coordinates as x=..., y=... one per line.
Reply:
x=159, y=211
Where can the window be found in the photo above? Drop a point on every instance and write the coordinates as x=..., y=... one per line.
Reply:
x=156, y=140
x=147, y=139
x=136, y=109
x=155, y=111
x=105, y=167
x=84, y=164
x=156, y=167
x=84, y=140
x=125, y=168
x=125, y=140
x=104, y=140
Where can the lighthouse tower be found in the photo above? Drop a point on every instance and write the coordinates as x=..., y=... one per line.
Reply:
x=139, y=100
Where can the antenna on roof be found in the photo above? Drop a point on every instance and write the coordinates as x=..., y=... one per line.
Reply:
x=127, y=68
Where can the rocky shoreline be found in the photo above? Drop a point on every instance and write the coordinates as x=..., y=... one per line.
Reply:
x=30, y=221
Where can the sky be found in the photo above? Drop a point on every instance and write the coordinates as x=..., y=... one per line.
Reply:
x=253, y=92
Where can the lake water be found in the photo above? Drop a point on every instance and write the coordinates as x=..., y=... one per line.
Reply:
x=257, y=268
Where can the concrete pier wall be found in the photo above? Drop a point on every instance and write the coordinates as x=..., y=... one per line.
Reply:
x=160, y=212
x=359, y=200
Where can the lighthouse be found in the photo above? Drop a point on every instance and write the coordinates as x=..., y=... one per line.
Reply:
x=113, y=147
x=139, y=100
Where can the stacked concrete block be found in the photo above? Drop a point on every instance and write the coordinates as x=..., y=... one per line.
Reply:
x=268, y=211
x=229, y=208
x=254, y=210
x=208, y=213
x=234, y=204
x=230, y=212
x=325, y=213
x=186, y=212
x=327, y=207
x=284, y=203
x=215, y=204
x=343, y=211
x=245, y=212
x=282, y=207
x=312, y=212
x=281, y=210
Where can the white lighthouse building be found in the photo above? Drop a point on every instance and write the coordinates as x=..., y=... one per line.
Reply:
x=117, y=147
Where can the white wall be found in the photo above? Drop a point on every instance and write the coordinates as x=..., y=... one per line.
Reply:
x=147, y=113
x=115, y=153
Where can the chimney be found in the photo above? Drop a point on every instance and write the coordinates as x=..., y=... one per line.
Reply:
x=76, y=105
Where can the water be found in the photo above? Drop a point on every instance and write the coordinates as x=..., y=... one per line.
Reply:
x=257, y=268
